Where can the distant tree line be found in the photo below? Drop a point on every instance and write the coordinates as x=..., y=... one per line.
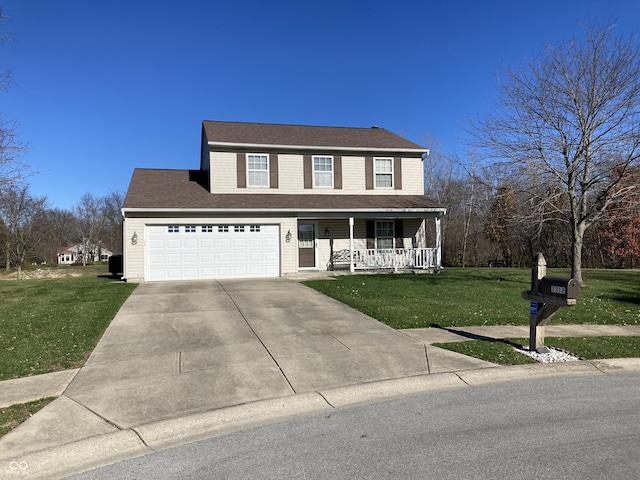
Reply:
x=33, y=232
x=493, y=219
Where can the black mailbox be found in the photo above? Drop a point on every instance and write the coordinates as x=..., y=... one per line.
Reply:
x=559, y=287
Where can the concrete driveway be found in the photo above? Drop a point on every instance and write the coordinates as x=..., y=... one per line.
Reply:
x=178, y=352
x=177, y=348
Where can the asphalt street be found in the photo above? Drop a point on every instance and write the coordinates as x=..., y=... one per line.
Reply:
x=584, y=427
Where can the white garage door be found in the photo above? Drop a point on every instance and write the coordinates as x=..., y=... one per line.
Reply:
x=192, y=252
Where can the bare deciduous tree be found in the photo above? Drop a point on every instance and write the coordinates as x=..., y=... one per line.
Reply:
x=89, y=222
x=112, y=218
x=572, y=116
x=20, y=213
x=11, y=149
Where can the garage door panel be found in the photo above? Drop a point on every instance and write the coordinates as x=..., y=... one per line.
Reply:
x=191, y=258
x=212, y=253
x=173, y=243
x=190, y=243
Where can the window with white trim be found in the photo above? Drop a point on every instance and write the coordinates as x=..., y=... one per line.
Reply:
x=254, y=228
x=173, y=228
x=238, y=228
x=384, y=234
x=257, y=170
x=383, y=172
x=190, y=228
x=323, y=171
x=207, y=228
x=223, y=228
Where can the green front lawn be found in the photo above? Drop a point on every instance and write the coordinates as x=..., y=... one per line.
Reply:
x=501, y=351
x=53, y=324
x=481, y=296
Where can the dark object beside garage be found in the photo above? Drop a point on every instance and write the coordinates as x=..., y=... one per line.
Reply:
x=115, y=265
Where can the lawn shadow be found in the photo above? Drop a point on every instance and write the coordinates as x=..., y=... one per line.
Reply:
x=110, y=276
x=624, y=296
x=475, y=336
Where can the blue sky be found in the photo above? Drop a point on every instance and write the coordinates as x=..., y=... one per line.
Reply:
x=103, y=87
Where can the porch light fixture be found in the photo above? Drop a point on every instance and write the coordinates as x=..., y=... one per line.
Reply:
x=327, y=232
x=287, y=237
x=134, y=238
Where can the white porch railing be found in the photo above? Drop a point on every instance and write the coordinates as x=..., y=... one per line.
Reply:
x=395, y=258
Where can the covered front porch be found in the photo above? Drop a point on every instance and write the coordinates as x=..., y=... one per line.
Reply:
x=367, y=242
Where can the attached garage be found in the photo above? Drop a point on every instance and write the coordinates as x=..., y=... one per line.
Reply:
x=193, y=252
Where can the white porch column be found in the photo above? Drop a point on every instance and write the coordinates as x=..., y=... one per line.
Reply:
x=352, y=267
x=438, y=245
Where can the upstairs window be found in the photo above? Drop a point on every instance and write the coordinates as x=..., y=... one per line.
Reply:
x=257, y=170
x=383, y=172
x=322, y=171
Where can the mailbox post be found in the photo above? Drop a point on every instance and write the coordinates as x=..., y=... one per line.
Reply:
x=547, y=295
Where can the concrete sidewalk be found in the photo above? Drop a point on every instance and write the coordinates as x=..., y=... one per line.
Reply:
x=461, y=334
x=187, y=360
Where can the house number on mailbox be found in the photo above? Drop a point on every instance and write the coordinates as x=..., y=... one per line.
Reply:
x=558, y=289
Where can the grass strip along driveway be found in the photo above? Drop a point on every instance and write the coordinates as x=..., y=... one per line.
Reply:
x=459, y=297
x=502, y=351
x=48, y=325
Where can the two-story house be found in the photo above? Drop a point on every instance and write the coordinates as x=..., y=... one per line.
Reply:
x=271, y=200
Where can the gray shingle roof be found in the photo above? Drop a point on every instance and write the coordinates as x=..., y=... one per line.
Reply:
x=305, y=135
x=185, y=189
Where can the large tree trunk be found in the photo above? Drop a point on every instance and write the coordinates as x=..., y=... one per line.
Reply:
x=576, y=252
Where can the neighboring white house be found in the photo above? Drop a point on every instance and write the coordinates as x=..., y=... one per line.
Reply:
x=73, y=254
x=270, y=200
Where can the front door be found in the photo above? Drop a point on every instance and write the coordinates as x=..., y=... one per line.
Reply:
x=306, y=245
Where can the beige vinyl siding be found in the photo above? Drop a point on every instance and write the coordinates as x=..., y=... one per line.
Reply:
x=224, y=177
x=353, y=180
x=289, y=251
x=133, y=254
x=291, y=174
x=412, y=177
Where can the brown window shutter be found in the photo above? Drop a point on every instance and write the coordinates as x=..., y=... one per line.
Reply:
x=242, y=170
x=337, y=172
x=399, y=234
x=371, y=234
x=397, y=173
x=273, y=170
x=368, y=173
x=308, y=171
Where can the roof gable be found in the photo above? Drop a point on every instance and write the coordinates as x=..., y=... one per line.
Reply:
x=280, y=135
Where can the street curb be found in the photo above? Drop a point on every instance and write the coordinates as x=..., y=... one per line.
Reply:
x=169, y=433
x=101, y=450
